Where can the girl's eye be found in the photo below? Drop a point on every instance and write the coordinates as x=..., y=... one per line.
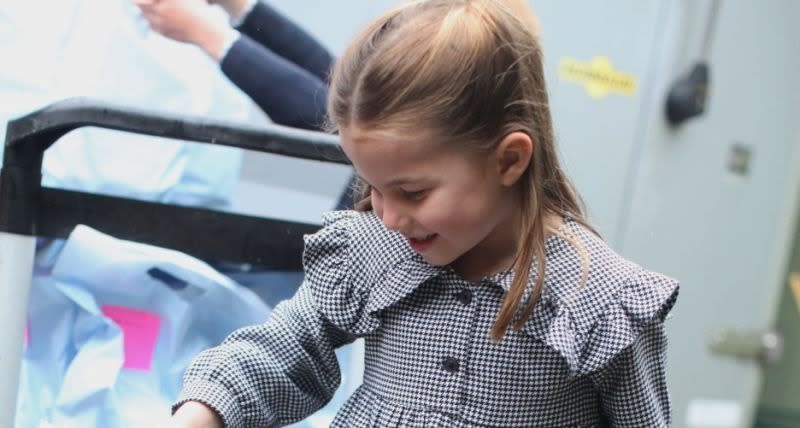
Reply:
x=414, y=195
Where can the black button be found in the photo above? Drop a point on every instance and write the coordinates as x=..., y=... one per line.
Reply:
x=450, y=364
x=464, y=297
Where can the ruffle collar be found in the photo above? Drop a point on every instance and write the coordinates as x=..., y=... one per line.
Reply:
x=365, y=268
x=400, y=280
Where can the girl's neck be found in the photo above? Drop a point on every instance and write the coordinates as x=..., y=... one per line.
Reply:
x=498, y=254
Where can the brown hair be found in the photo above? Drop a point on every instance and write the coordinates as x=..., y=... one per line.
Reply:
x=470, y=71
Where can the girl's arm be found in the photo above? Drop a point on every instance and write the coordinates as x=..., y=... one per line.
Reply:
x=267, y=375
x=633, y=386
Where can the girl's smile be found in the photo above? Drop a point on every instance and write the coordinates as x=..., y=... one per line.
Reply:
x=420, y=245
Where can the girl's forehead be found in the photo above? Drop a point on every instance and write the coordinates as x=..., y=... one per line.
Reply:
x=381, y=142
x=378, y=155
x=370, y=149
x=359, y=134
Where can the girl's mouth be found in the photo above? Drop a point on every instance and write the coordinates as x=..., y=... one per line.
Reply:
x=420, y=245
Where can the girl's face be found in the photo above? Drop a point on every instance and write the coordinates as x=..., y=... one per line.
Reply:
x=453, y=206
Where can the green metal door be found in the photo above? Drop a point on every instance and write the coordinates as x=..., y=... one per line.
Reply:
x=779, y=405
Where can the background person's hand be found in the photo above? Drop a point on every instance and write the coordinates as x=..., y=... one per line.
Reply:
x=234, y=7
x=189, y=21
x=193, y=414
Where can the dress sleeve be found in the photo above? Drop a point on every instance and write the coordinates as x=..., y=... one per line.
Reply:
x=271, y=374
x=626, y=355
x=633, y=386
x=281, y=371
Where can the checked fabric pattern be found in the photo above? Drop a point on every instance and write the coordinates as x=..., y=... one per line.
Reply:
x=591, y=355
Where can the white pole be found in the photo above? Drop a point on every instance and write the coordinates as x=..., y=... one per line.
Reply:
x=16, y=271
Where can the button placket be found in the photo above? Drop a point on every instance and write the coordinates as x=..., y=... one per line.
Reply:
x=453, y=363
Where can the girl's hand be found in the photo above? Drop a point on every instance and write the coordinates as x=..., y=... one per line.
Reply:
x=194, y=414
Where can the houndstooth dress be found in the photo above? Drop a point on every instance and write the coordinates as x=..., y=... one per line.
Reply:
x=589, y=356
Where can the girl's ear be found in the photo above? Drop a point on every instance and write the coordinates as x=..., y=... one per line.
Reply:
x=513, y=156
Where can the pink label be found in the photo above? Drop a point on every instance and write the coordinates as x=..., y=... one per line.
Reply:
x=139, y=335
x=26, y=338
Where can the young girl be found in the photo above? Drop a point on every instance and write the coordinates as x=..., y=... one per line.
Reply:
x=483, y=296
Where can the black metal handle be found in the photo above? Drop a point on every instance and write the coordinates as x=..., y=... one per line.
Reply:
x=43, y=127
x=25, y=208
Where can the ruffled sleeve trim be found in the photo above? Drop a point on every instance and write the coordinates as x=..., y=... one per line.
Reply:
x=644, y=300
x=590, y=331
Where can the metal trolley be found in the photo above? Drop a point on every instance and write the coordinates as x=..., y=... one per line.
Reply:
x=28, y=210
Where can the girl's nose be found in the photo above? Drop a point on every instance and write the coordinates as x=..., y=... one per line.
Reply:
x=391, y=216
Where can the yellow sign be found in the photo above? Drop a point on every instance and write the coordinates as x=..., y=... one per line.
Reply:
x=794, y=285
x=598, y=76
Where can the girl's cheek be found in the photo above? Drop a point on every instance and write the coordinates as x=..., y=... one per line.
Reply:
x=435, y=216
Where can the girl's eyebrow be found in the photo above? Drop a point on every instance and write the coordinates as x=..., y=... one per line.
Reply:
x=393, y=183
x=399, y=181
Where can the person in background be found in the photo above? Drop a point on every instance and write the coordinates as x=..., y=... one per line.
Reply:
x=483, y=294
x=269, y=57
x=281, y=67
